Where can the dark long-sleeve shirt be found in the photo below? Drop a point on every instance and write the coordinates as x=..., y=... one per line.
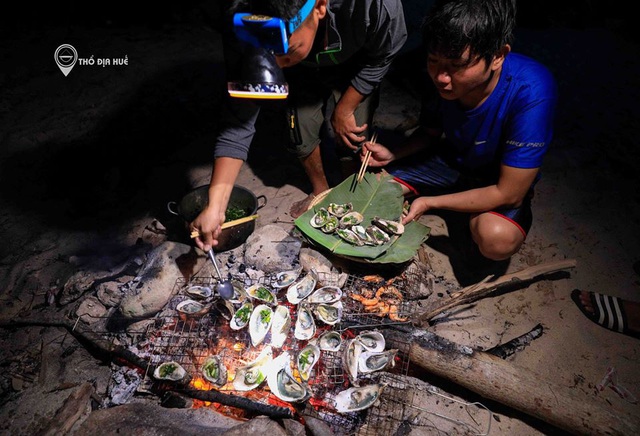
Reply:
x=366, y=33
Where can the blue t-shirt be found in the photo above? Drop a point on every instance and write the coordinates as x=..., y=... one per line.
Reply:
x=514, y=126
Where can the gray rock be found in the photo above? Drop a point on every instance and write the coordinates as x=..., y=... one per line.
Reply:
x=109, y=293
x=91, y=310
x=147, y=420
x=327, y=274
x=272, y=249
x=261, y=425
x=156, y=282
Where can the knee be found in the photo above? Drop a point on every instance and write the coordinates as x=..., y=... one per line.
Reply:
x=497, y=241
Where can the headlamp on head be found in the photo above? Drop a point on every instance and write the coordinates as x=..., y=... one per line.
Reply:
x=270, y=33
x=259, y=75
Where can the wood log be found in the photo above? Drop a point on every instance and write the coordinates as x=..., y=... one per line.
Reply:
x=516, y=387
x=119, y=354
x=488, y=286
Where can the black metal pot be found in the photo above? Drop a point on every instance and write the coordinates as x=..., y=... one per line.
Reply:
x=241, y=198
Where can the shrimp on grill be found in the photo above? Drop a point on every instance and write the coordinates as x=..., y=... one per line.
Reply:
x=362, y=298
x=373, y=278
x=379, y=309
x=387, y=292
x=393, y=314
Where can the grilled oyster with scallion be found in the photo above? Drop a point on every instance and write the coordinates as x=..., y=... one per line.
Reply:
x=307, y=359
x=261, y=293
x=331, y=225
x=339, y=209
x=171, y=371
x=390, y=227
x=250, y=376
x=320, y=218
x=361, y=232
x=351, y=219
x=282, y=383
x=260, y=323
x=349, y=236
x=241, y=318
x=377, y=234
x=213, y=370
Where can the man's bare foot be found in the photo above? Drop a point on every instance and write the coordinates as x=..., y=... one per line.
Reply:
x=300, y=207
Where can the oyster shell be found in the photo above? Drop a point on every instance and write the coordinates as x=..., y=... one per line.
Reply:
x=329, y=313
x=371, y=340
x=213, y=370
x=282, y=383
x=280, y=326
x=370, y=361
x=171, y=370
x=225, y=308
x=320, y=218
x=307, y=359
x=286, y=278
x=350, y=219
x=242, y=316
x=261, y=293
x=349, y=236
x=191, y=308
x=305, y=326
x=339, y=210
x=332, y=224
x=254, y=373
x=326, y=294
x=239, y=293
x=390, y=227
x=358, y=398
x=361, y=232
x=330, y=341
x=260, y=323
x=196, y=291
x=350, y=358
x=378, y=235
x=301, y=289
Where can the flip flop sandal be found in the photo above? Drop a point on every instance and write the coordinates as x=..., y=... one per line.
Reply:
x=607, y=311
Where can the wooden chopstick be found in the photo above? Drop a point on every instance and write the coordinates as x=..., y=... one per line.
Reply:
x=195, y=233
x=365, y=161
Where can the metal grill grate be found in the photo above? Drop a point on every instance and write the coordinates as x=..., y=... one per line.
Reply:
x=190, y=340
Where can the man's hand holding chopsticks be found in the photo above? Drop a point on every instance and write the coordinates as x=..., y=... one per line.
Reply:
x=380, y=155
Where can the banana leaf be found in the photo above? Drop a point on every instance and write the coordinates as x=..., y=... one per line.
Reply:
x=375, y=196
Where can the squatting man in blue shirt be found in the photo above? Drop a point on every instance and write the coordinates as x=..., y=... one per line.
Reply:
x=482, y=139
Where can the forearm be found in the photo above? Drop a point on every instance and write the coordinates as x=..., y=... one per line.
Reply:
x=471, y=201
x=348, y=102
x=223, y=177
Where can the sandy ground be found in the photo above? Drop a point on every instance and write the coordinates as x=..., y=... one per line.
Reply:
x=89, y=161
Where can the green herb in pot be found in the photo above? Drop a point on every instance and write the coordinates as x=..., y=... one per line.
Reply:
x=234, y=213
